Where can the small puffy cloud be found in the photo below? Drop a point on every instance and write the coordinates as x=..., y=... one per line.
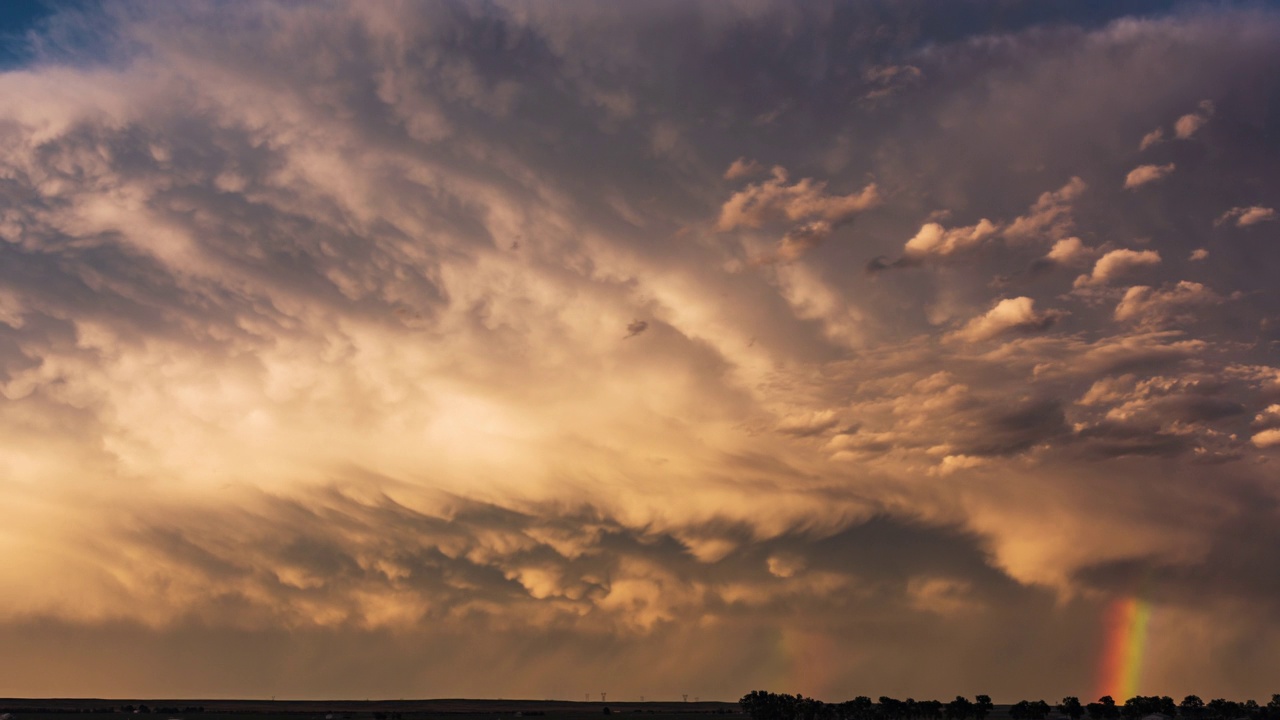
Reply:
x=742, y=168
x=934, y=239
x=1049, y=215
x=1144, y=174
x=1188, y=124
x=1115, y=264
x=1246, y=216
x=1148, y=306
x=1267, y=438
x=1008, y=315
x=809, y=424
x=635, y=327
x=954, y=463
x=1199, y=254
x=1070, y=251
x=805, y=199
x=1269, y=418
x=1152, y=138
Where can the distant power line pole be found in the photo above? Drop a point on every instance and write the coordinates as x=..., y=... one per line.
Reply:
x=601, y=697
x=686, y=697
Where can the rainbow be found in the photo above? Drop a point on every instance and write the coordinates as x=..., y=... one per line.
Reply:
x=1123, y=647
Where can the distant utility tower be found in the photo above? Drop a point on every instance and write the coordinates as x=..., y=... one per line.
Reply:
x=588, y=696
x=601, y=697
x=686, y=697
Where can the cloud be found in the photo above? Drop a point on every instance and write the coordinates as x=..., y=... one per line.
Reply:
x=809, y=424
x=1188, y=124
x=1008, y=315
x=742, y=168
x=805, y=199
x=1155, y=137
x=275, y=384
x=1148, y=307
x=1071, y=252
x=1198, y=254
x=1144, y=174
x=635, y=327
x=1117, y=263
x=798, y=242
x=935, y=240
x=1267, y=438
x=1049, y=216
x=1246, y=216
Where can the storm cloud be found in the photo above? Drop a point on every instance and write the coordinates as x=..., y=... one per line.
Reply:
x=321, y=347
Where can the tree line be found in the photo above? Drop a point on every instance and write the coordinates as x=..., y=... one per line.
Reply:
x=763, y=705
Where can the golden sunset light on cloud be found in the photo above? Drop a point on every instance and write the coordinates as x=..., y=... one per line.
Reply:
x=506, y=349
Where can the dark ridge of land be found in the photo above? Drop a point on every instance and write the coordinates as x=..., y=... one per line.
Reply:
x=417, y=709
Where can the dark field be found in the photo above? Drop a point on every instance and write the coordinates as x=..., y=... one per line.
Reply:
x=459, y=709
x=166, y=709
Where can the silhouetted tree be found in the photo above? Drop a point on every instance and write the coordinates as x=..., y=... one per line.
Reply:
x=1223, y=709
x=982, y=706
x=930, y=709
x=1104, y=709
x=1071, y=707
x=1191, y=707
x=959, y=709
x=1273, y=708
x=859, y=708
x=889, y=708
x=1030, y=710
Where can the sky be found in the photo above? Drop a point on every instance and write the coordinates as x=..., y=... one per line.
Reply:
x=531, y=349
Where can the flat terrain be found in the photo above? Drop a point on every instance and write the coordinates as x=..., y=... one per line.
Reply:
x=180, y=709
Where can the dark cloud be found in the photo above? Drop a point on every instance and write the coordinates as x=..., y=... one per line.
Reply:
x=635, y=327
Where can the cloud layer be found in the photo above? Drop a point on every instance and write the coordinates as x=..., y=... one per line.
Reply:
x=409, y=350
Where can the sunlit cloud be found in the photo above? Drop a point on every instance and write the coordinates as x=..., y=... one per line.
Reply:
x=396, y=349
x=1144, y=174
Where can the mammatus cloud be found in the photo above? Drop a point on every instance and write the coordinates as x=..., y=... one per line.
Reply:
x=1246, y=216
x=1144, y=174
x=321, y=350
x=1116, y=264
